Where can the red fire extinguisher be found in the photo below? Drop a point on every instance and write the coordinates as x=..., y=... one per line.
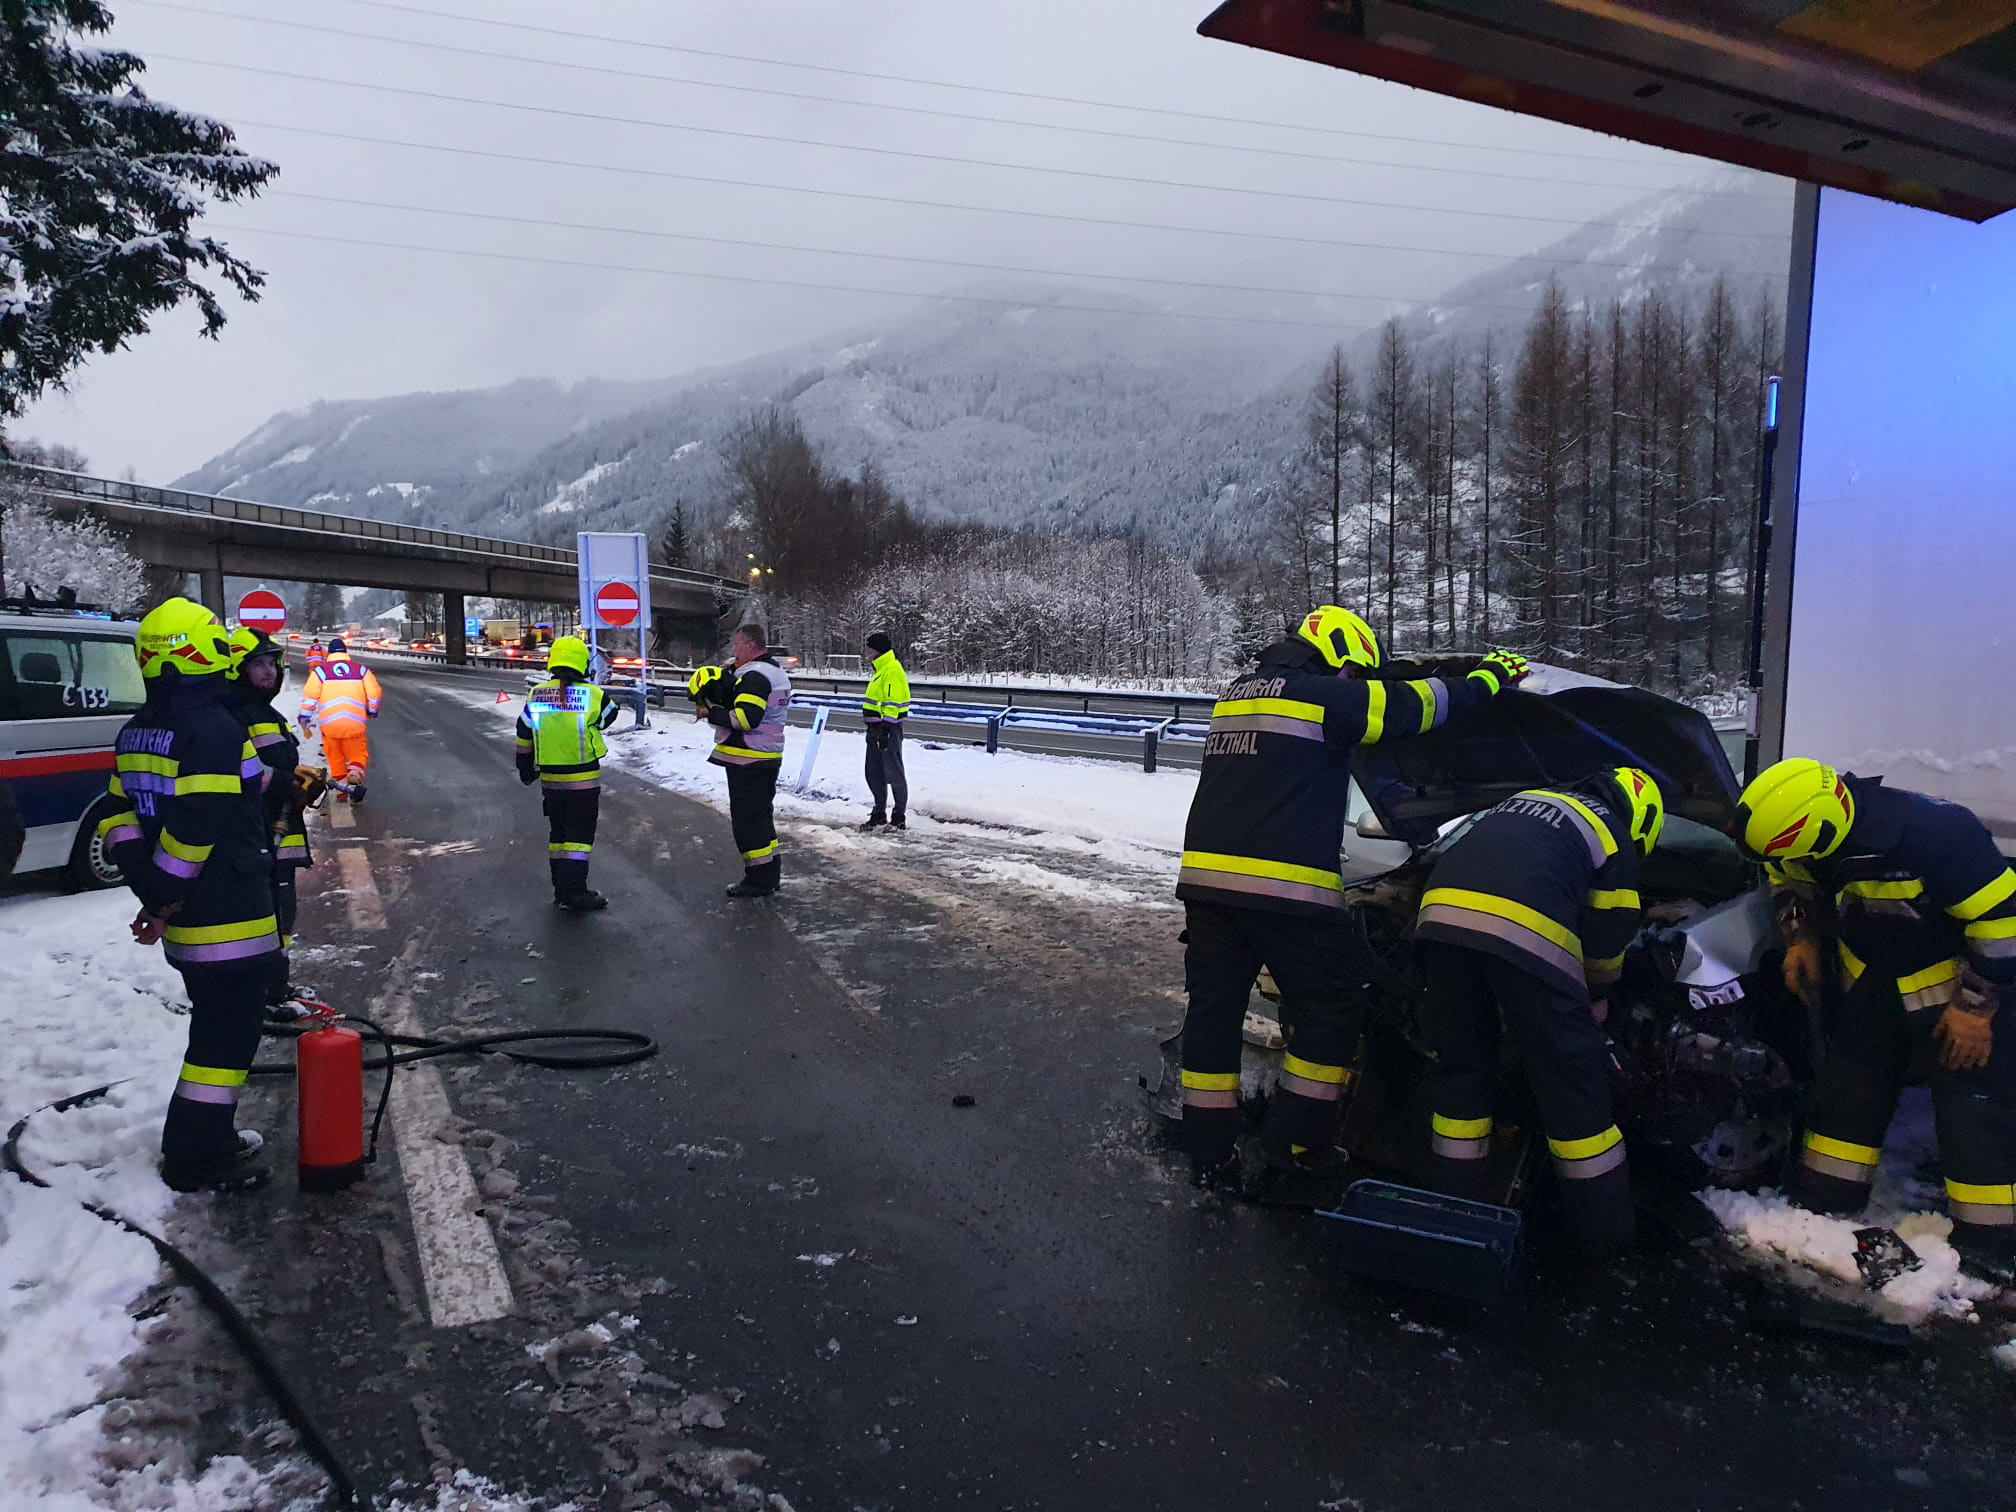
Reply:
x=329, y=1091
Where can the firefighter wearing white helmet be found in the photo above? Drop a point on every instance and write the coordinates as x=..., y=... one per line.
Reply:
x=1898, y=913
x=560, y=746
x=1524, y=924
x=1261, y=881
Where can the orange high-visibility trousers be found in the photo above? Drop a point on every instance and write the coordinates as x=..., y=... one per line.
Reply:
x=347, y=751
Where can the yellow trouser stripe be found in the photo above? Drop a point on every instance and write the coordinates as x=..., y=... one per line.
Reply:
x=1582, y=1149
x=1314, y=1071
x=213, y=1076
x=1978, y=903
x=761, y=853
x=1462, y=1128
x=2001, y=1194
x=1505, y=908
x=1841, y=1149
x=1251, y=866
x=1211, y=1081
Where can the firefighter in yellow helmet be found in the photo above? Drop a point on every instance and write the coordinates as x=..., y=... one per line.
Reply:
x=1261, y=882
x=560, y=746
x=1524, y=924
x=287, y=789
x=1904, y=907
x=191, y=841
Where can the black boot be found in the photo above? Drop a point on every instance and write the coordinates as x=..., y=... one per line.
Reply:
x=876, y=820
x=245, y=1171
x=751, y=886
x=896, y=822
x=581, y=900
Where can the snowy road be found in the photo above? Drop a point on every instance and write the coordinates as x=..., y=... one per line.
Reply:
x=780, y=1257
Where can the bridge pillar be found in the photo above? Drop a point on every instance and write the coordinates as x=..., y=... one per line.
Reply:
x=210, y=590
x=456, y=641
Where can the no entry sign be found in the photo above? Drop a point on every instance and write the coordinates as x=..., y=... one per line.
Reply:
x=262, y=609
x=616, y=605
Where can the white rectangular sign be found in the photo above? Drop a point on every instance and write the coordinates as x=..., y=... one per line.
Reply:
x=615, y=574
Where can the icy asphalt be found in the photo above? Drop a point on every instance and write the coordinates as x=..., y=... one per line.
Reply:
x=778, y=1266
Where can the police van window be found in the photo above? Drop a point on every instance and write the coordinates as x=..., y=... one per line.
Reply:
x=52, y=676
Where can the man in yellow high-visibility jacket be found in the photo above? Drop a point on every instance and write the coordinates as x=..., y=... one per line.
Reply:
x=884, y=708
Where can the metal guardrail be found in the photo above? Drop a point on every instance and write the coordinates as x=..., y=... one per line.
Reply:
x=145, y=496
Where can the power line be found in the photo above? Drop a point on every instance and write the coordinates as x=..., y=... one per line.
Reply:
x=679, y=175
x=778, y=283
x=564, y=113
x=1013, y=94
x=941, y=262
x=950, y=115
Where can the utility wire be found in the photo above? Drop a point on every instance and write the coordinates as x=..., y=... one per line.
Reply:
x=778, y=283
x=1065, y=217
x=900, y=152
x=941, y=262
x=950, y=115
x=1013, y=94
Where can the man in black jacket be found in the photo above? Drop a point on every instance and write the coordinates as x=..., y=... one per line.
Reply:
x=255, y=678
x=748, y=703
x=191, y=841
x=1260, y=880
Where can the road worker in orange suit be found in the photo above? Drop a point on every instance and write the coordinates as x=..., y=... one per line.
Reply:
x=336, y=702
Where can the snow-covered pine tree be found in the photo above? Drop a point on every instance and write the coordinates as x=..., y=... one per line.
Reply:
x=44, y=554
x=100, y=188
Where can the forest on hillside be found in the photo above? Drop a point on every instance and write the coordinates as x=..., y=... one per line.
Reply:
x=1585, y=494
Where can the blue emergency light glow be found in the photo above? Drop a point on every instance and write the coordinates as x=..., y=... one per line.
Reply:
x=1771, y=403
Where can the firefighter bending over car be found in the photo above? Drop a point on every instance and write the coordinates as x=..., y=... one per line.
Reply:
x=1916, y=908
x=191, y=841
x=1261, y=885
x=748, y=702
x=337, y=701
x=287, y=789
x=1527, y=916
x=560, y=746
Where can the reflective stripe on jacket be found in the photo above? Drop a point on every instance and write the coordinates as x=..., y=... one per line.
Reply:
x=559, y=733
x=751, y=728
x=1266, y=829
x=340, y=697
x=190, y=837
x=1917, y=887
x=887, y=700
x=279, y=754
x=1542, y=882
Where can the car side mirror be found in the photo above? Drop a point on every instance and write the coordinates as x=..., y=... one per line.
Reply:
x=1369, y=827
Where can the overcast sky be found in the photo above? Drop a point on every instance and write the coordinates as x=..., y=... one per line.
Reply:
x=366, y=315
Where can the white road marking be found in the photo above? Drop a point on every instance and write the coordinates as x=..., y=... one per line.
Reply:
x=367, y=910
x=341, y=817
x=459, y=1261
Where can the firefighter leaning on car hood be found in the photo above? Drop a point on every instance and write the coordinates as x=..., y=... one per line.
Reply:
x=191, y=841
x=1260, y=879
x=1907, y=904
x=1524, y=922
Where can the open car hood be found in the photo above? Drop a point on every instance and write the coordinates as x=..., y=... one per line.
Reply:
x=1555, y=730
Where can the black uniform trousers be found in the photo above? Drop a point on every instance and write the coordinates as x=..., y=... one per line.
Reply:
x=571, y=813
x=286, y=908
x=752, y=799
x=227, y=1014
x=1468, y=995
x=1873, y=1048
x=1317, y=964
x=885, y=766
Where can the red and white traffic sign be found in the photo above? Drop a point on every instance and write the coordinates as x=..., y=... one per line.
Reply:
x=616, y=605
x=262, y=609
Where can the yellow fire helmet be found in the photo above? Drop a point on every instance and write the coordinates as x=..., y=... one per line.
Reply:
x=1648, y=805
x=568, y=654
x=1794, y=809
x=703, y=678
x=182, y=635
x=1344, y=639
x=246, y=643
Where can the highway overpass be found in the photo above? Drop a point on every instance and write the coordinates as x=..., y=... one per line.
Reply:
x=214, y=536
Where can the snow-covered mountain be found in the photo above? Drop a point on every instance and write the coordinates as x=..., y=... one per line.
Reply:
x=1018, y=404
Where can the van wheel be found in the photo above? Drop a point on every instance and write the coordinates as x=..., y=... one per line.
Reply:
x=90, y=868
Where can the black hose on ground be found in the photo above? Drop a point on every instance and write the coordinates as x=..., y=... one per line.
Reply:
x=344, y=1489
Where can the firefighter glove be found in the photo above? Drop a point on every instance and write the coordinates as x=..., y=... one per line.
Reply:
x=1965, y=1036
x=1805, y=969
x=1502, y=669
